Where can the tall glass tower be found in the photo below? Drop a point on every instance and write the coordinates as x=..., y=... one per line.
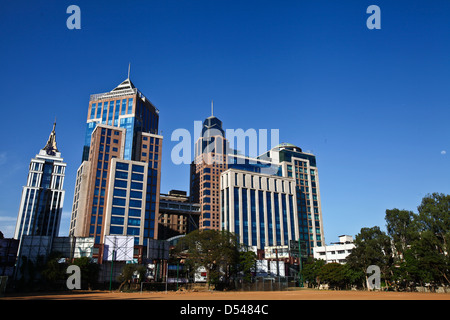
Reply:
x=43, y=196
x=210, y=161
x=118, y=182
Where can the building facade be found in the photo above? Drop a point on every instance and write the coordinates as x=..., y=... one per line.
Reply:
x=43, y=196
x=259, y=208
x=118, y=182
x=274, y=198
x=209, y=162
x=337, y=251
x=177, y=215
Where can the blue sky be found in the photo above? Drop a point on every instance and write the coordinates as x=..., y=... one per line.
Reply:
x=372, y=105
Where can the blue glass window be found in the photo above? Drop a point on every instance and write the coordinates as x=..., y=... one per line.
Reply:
x=105, y=110
x=122, y=174
x=117, y=220
x=116, y=230
x=262, y=235
x=118, y=211
x=99, y=110
x=269, y=217
x=134, y=212
x=120, y=183
x=236, y=210
x=118, y=201
x=122, y=166
x=120, y=192
x=134, y=222
x=135, y=203
x=137, y=168
x=137, y=176
x=136, y=194
x=133, y=231
x=130, y=105
x=245, y=215
x=93, y=108
x=124, y=106
x=136, y=185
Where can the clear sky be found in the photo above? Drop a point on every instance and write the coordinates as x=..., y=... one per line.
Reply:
x=372, y=105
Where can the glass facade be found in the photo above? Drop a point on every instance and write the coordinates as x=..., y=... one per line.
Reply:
x=122, y=145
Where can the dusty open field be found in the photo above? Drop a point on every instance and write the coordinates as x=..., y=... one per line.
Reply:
x=304, y=294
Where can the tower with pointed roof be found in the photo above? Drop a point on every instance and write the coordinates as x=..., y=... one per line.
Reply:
x=209, y=162
x=117, y=185
x=43, y=195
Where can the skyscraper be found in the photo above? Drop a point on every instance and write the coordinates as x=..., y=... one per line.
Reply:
x=43, y=196
x=210, y=161
x=118, y=182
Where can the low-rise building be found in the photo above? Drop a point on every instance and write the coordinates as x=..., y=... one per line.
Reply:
x=337, y=251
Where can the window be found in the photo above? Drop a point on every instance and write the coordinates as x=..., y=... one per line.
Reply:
x=134, y=212
x=135, y=203
x=122, y=166
x=135, y=194
x=116, y=230
x=119, y=201
x=137, y=176
x=134, y=222
x=137, y=168
x=121, y=175
x=120, y=192
x=118, y=211
x=117, y=220
x=130, y=105
x=120, y=183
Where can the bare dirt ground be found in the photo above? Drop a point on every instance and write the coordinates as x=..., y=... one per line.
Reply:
x=304, y=294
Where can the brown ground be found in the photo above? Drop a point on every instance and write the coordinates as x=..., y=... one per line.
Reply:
x=304, y=294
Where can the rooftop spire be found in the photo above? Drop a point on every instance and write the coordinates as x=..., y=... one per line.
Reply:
x=51, y=147
x=129, y=67
x=212, y=108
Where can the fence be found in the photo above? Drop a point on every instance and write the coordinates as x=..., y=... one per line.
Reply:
x=266, y=284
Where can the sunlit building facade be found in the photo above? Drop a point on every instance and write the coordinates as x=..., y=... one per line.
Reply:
x=43, y=196
x=118, y=182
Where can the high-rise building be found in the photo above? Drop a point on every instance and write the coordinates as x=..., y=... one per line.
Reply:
x=268, y=200
x=209, y=162
x=43, y=196
x=274, y=198
x=118, y=183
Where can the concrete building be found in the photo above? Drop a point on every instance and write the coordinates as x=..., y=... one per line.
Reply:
x=177, y=215
x=337, y=251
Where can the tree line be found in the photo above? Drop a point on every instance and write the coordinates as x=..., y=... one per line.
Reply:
x=413, y=251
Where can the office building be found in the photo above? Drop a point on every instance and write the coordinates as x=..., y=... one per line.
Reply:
x=210, y=161
x=274, y=198
x=43, y=196
x=117, y=185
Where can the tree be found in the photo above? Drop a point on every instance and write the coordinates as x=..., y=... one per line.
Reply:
x=372, y=247
x=433, y=244
x=54, y=271
x=333, y=274
x=401, y=229
x=246, y=263
x=310, y=271
x=128, y=273
x=217, y=251
x=89, y=271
